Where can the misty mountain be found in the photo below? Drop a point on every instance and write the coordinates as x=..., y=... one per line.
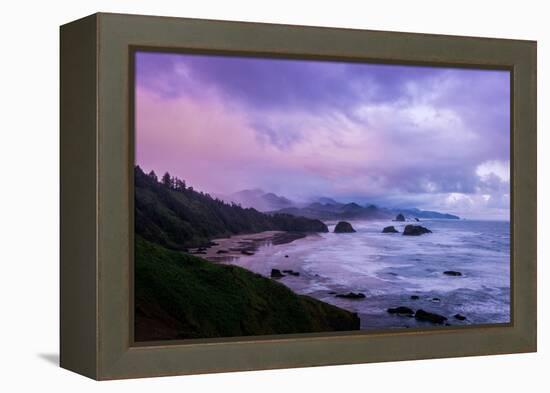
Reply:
x=259, y=200
x=414, y=212
x=338, y=211
x=327, y=201
x=350, y=211
x=324, y=208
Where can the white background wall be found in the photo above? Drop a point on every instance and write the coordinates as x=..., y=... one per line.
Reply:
x=29, y=194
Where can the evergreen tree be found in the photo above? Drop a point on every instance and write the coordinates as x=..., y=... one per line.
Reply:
x=167, y=180
x=153, y=176
x=179, y=185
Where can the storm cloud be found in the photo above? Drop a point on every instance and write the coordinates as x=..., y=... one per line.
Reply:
x=410, y=136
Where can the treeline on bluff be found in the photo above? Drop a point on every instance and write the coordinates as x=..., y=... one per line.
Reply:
x=170, y=213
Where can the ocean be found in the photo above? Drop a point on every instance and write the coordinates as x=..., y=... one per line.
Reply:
x=390, y=268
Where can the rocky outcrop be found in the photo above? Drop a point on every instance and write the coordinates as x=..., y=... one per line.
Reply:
x=426, y=316
x=415, y=297
x=352, y=295
x=276, y=273
x=401, y=310
x=415, y=230
x=390, y=229
x=343, y=227
x=291, y=272
x=400, y=218
x=452, y=273
x=460, y=317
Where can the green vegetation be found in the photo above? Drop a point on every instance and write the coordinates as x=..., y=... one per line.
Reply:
x=176, y=216
x=181, y=296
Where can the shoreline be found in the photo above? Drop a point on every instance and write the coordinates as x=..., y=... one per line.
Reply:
x=236, y=246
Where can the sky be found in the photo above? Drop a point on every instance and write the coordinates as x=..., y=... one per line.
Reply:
x=393, y=135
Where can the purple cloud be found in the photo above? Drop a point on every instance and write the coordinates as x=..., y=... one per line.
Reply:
x=435, y=137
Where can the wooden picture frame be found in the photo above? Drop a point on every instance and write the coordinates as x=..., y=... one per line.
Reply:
x=97, y=197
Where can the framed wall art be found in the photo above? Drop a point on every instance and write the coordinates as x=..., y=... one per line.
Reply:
x=242, y=196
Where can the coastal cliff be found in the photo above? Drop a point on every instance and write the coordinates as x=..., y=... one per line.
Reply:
x=179, y=296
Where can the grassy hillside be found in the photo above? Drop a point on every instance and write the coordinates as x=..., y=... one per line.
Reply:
x=181, y=296
x=176, y=216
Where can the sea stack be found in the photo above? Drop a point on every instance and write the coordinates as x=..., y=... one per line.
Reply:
x=343, y=227
x=415, y=230
x=422, y=315
x=400, y=217
x=390, y=229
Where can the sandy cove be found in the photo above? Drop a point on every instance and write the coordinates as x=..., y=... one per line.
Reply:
x=236, y=246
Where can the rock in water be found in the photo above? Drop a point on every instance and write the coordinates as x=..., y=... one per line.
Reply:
x=343, y=227
x=390, y=229
x=460, y=317
x=415, y=297
x=352, y=295
x=400, y=217
x=452, y=273
x=415, y=230
x=422, y=315
x=276, y=273
x=401, y=310
x=416, y=219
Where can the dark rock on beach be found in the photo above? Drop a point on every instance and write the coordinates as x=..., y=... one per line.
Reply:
x=276, y=273
x=291, y=272
x=390, y=229
x=352, y=295
x=247, y=252
x=415, y=297
x=415, y=230
x=343, y=227
x=400, y=217
x=222, y=252
x=452, y=273
x=401, y=310
x=460, y=317
x=416, y=219
x=422, y=315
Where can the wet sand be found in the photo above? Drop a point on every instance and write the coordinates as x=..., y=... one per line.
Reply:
x=227, y=249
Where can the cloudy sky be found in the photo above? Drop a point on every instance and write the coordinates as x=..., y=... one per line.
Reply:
x=399, y=136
